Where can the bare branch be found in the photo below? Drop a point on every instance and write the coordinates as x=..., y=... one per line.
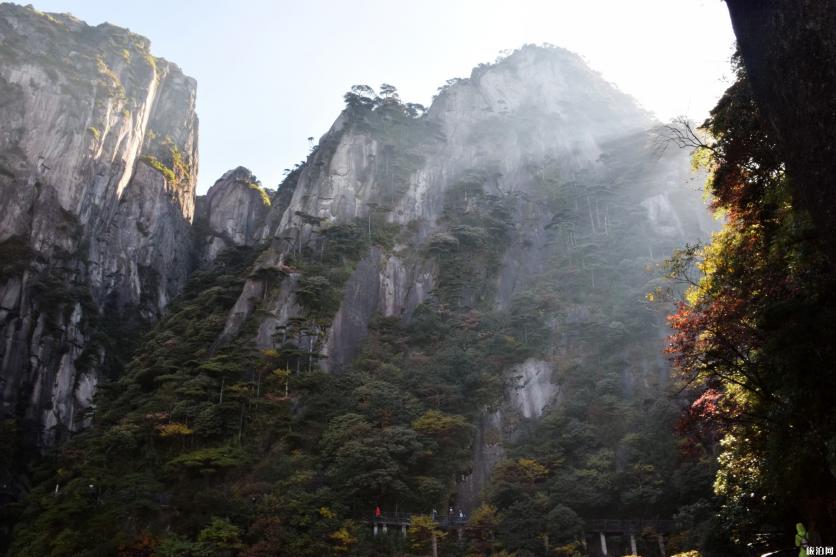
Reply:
x=681, y=133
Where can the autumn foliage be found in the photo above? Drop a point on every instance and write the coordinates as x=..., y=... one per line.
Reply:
x=753, y=337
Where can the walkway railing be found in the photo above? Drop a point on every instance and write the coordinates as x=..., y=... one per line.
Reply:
x=623, y=526
x=606, y=525
x=405, y=519
x=602, y=526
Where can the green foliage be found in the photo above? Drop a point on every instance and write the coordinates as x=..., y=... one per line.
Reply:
x=173, y=546
x=477, y=231
x=167, y=431
x=15, y=257
x=109, y=80
x=218, y=539
x=195, y=431
x=163, y=154
x=446, y=428
x=322, y=295
x=404, y=134
x=151, y=60
x=327, y=262
x=205, y=462
x=154, y=163
x=606, y=449
x=57, y=296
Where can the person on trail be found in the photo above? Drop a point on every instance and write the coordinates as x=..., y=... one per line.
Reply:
x=435, y=514
x=377, y=512
x=461, y=515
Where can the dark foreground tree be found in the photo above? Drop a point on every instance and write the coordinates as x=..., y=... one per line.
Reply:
x=789, y=51
x=753, y=337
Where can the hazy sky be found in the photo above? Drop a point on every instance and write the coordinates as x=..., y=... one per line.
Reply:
x=272, y=73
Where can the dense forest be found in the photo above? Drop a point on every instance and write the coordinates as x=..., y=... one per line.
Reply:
x=495, y=326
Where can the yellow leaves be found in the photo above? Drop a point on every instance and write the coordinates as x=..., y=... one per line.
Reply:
x=422, y=529
x=692, y=553
x=240, y=389
x=325, y=512
x=702, y=159
x=157, y=416
x=511, y=341
x=342, y=539
x=173, y=429
x=281, y=374
x=709, y=264
x=485, y=515
x=741, y=466
x=523, y=471
x=436, y=423
x=693, y=296
x=532, y=470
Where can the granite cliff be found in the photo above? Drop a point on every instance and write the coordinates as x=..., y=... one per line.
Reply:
x=98, y=169
x=98, y=165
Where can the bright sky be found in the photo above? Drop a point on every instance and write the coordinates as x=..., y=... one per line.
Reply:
x=270, y=73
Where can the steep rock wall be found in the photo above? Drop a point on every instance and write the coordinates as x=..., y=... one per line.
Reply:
x=98, y=168
x=498, y=127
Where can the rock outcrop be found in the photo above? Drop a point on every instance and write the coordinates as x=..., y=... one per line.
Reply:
x=98, y=168
x=231, y=213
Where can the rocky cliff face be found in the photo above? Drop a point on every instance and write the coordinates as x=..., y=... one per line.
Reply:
x=591, y=196
x=98, y=167
x=535, y=120
x=527, y=108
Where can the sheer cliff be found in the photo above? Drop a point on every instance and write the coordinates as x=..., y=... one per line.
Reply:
x=98, y=166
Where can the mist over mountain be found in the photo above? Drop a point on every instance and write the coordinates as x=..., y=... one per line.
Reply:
x=442, y=307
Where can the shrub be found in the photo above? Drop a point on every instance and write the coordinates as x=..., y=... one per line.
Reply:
x=154, y=163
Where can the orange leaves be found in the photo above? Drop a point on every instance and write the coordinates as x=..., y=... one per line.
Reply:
x=707, y=405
